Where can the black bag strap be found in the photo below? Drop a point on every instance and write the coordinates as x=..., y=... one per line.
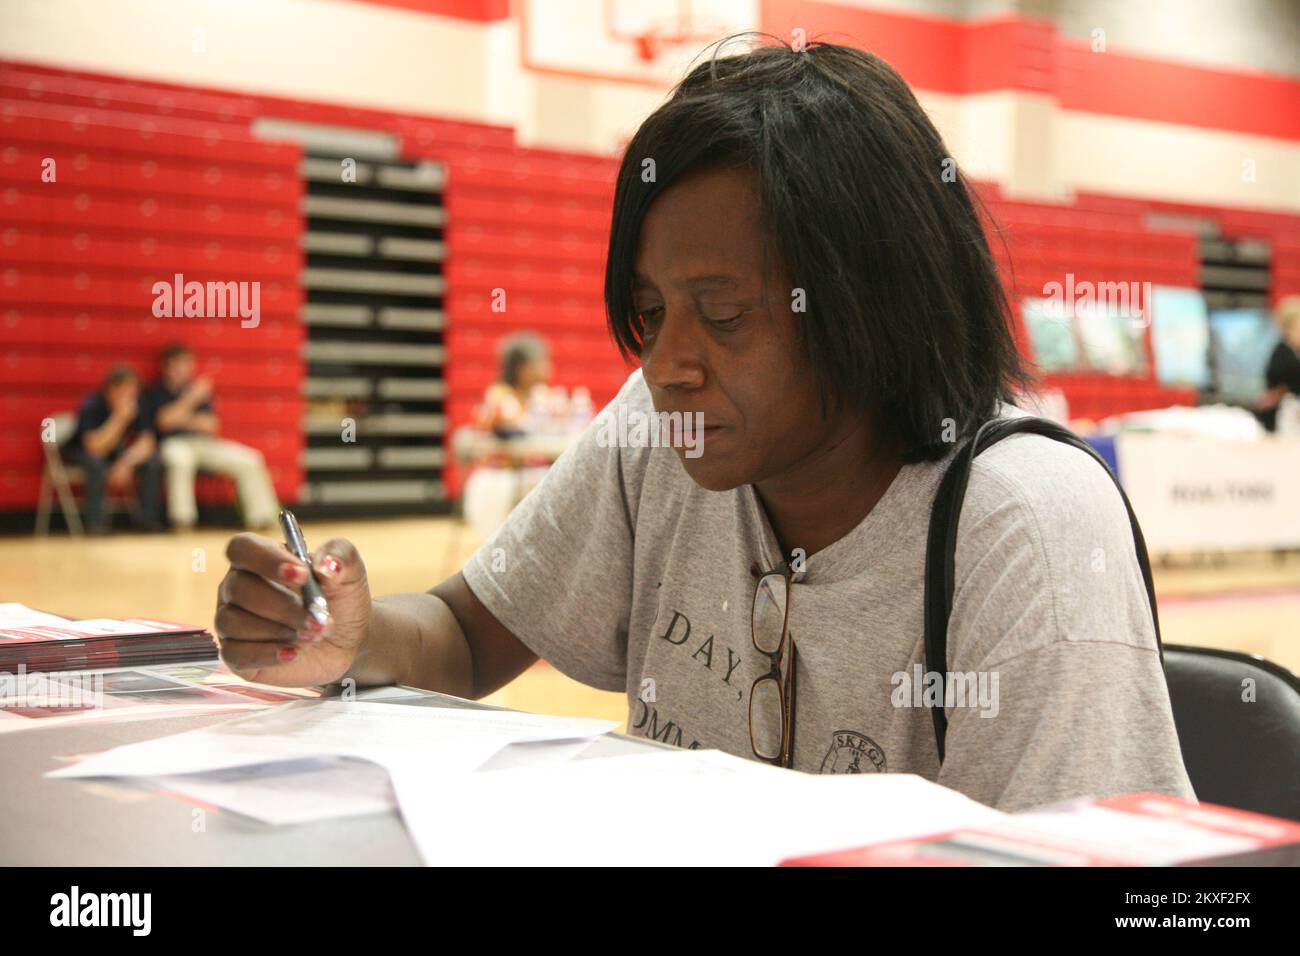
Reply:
x=941, y=545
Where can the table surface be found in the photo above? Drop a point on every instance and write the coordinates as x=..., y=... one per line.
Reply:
x=50, y=822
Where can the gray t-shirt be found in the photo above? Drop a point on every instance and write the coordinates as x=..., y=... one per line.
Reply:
x=624, y=574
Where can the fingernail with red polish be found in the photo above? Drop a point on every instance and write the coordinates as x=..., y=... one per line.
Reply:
x=288, y=654
x=289, y=573
x=330, y=565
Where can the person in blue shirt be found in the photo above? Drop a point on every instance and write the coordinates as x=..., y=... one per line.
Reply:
x=180, y=410
x=115, y=446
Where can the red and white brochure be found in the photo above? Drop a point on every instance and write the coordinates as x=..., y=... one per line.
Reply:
x=1141, y=829
x=39, y=641
x=96, y=627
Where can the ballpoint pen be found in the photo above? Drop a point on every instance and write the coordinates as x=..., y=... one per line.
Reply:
x=312, y=598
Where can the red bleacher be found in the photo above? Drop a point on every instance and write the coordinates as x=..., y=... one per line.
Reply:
x=156, y=178
x=146, y=184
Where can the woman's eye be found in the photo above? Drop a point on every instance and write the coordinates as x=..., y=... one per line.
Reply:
x=652, y=317
x=726, y=324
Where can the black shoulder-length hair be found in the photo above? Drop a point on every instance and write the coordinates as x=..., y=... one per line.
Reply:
x=905, y=309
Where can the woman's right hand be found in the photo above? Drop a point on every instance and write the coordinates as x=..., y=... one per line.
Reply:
x=264, y=633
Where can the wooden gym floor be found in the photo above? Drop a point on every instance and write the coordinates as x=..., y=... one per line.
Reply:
x=1247, y=602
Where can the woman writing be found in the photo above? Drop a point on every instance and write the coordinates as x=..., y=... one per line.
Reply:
x=797, y=269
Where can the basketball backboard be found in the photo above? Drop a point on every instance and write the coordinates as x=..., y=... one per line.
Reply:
x=636, y=41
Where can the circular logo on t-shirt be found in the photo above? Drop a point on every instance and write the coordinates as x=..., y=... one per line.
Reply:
x=852, y=752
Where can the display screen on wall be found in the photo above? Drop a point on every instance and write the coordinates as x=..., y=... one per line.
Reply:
x=1112, y=338
x=1180, y=336
x=1051, y=335
x=1241, y=342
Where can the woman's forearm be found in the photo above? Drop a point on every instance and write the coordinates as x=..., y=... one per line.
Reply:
x=415, y=639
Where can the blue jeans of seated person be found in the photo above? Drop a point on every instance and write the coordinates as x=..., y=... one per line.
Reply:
x=148, y=475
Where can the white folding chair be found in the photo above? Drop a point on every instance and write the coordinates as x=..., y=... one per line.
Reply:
x=57, y=477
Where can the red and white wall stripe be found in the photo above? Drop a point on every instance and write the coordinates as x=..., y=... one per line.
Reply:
x=147, y=107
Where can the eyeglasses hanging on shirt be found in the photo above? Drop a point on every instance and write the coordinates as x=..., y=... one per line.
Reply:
x=771, y=698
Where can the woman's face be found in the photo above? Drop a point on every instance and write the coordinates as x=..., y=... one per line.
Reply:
x=720, y=332
x=534, y=372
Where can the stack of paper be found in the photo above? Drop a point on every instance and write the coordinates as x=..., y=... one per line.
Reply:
x=676, y=808
x=317, y=759
x=327, y=788
x=45, y=642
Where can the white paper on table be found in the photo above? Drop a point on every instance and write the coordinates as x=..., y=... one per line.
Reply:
x=15, y=723
x=297, y=791
x=317, y=728
x=389, y=692
x=20, y=615
x=535, y=753
x=673, y=809
x=325, y=788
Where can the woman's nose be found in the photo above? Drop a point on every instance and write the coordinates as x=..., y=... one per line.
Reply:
x=674, y=358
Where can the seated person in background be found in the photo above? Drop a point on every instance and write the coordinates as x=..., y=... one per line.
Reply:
x=1282, y=375
x=501, y=478
x=180, y=412
x=112, y=444
x=525, y=368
